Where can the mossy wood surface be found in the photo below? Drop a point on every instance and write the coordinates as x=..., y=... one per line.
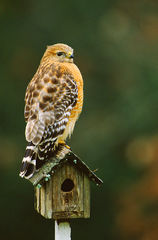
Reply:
x=52, y=200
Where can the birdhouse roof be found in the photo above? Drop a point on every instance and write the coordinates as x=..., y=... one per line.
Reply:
x=80, y=165
x=54, y=164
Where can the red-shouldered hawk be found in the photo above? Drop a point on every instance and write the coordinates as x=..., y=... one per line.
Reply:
x=53, y=102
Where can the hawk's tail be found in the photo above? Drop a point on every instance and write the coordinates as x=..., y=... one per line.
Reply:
x=29, y=161
x=36, y=156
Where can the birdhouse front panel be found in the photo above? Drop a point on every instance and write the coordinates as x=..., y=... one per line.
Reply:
x=65, y=195
x=68, y=192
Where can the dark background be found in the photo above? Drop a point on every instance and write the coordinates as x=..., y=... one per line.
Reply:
x=116, y=49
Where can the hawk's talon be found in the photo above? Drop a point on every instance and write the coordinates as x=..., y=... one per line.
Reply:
x=67, y=147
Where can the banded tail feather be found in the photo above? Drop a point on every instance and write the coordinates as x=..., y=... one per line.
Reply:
x=36, y=156
x=29, y=161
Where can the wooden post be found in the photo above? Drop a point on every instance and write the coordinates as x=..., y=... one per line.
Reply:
x=62, y=230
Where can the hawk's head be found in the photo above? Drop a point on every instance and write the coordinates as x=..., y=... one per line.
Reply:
x=59, y=52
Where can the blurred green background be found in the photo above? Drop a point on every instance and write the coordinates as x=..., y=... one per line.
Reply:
x=116, y=49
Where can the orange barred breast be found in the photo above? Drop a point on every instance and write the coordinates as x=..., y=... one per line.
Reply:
x=75, y=112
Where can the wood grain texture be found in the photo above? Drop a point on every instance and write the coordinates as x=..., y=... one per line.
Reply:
x=86, y=198
x=53, y=202
x=66, y=155
x=68, y=204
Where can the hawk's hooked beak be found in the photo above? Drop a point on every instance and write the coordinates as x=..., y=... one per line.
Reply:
x=71, y=55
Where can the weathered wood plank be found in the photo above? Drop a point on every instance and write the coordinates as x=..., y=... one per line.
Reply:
x=42, y=200
x=48, y=202
x=86, y=198
x=37, y=199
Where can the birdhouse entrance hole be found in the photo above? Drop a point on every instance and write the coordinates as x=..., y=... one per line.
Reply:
x=67, y=185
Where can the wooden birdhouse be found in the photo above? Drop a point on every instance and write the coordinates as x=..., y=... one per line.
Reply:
x=62, y=189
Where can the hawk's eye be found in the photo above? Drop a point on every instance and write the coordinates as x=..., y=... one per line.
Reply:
x=60, y=54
